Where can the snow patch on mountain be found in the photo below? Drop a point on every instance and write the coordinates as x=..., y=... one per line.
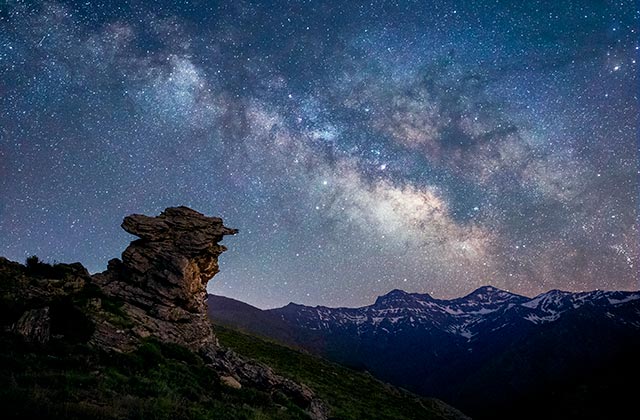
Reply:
x=485, y=309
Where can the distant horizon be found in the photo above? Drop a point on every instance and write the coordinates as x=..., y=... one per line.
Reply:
x=279, y=305
x=425, y=293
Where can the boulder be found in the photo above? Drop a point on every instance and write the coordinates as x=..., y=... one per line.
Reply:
x=34, y=325
x=162, y=279
x=231, y=382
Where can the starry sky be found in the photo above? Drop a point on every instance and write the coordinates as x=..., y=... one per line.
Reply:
x=432, y=146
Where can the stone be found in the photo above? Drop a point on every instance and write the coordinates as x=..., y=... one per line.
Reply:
x=34, y=325
x=162, y=278
x=262, y=377
x=177, y=254
x=231, y=382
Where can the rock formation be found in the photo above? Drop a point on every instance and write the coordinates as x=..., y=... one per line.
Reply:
x=157, y=290
x=35, y=325
x=162, y=278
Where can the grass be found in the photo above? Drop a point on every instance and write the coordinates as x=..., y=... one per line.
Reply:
x=67, y=379
x=158, y=381
x=349, y=394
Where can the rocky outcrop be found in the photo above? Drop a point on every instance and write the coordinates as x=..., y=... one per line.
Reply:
x=157, y=290
x=34, y=325
x=176, y=255
x=161, y=283
x=262, y=377
x=162, y=279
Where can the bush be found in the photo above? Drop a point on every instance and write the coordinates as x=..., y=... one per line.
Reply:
x=38, y=268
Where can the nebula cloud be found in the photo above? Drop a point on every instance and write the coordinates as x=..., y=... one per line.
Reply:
x=411, y=148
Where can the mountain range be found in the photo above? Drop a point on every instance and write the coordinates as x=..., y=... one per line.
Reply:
x=492, y=353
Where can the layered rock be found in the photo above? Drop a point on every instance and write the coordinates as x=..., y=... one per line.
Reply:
x=242, y=371
x=176, y=255
x=157, y=290
x=162, y=279
x=161, y=282
x=35, y=325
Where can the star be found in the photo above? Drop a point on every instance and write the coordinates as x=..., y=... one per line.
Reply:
x=436, y=149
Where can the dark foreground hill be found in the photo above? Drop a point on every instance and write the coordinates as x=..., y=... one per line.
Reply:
x=492, y=353
x=348, y=393
x=134, y=342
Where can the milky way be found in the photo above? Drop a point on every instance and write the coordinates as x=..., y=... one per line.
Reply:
x=359, y=147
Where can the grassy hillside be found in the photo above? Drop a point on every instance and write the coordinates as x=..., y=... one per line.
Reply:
x=350, y=394
x=158, y=381
x=65, y=378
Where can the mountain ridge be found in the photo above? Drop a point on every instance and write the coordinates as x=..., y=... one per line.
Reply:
x=485, y=300
x=444, y=347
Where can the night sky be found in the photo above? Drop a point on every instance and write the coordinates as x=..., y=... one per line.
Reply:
x=432, y=146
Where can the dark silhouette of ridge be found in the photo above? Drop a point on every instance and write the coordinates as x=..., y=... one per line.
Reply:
x=493, y=353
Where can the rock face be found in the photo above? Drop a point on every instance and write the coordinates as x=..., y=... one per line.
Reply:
x=162, y=278
x=35, y=325
x=176, y=255
x=161, y=282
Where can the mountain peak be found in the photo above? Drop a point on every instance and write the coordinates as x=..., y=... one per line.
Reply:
x=486, y=289
x=392, y=298
x=396, y=292
x=398, y=297
x=490, y=294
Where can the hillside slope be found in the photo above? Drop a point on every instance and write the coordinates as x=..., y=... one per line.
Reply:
x=135, y=341
x=49, y=369
x=242, y=316
x=492, y=353
x=348, y=393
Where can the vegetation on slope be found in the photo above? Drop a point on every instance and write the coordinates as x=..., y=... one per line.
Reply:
x=350, y=394
x=65, y=378
x=158, y=381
